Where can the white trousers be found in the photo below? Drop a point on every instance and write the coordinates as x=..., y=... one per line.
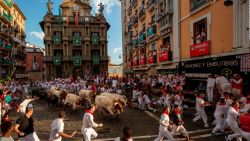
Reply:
x=163, y=132
x=237, y=131
x=179, y=130
x=220, y=123
x=210, y=91
x=201, y=114
x=88, y=134
x=226, y=87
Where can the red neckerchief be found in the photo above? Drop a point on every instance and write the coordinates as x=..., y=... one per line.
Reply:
x=236, y=109
x=88, y=111
x=165, y=112
x=248, y=102
x=177, y=111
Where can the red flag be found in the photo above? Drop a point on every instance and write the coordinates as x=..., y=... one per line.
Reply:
x=76, y=18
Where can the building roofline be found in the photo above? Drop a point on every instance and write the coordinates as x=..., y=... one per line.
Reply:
x=20, y=11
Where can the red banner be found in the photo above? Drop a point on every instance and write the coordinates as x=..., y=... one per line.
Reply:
x=142, y=60
x=150, y=59
x=200, y=49
x=163, y=56
x=135, y=62
x=129, y=64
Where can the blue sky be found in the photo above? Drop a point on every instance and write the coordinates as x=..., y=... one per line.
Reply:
x=34, y=10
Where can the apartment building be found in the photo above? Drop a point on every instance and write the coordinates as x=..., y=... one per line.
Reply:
x=12, y=39
x=150, y=36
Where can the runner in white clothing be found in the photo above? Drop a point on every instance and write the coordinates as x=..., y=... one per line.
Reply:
x=232, y=122
x=57, y=128
x=88, y=124
x=200, y=108
x=220, y=116
x=22, y=107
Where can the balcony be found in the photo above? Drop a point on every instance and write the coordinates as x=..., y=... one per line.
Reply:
x=8, y=3
x=57, y=60
x=8, y=17
x=134, y=3
x=8, y=47
x=130, y=10
x=57, y=40
x=77, y=41
x=135, y=21
x=96, y=59
x=195, y=4
x=6, y=32
x=67, y=58
x=151, y=31
x=142, y=14
x=165, y=22
x=135, y=42
x=151, y=5
x=142, y=37
x=77, y=60
x=95, y=40
x=7, y=62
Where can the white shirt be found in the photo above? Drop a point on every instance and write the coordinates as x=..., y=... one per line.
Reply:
x=232, y=115
x=210, y=82
x=164, y=121
x=199, y=102
x=6, y=139
x=23, y=105
x=56, y=127
x=220, y=109
x=178, y=100
x=88, y=121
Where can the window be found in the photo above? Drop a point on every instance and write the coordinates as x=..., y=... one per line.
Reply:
x=153, y=47
x=76, y=34
x=87, y=31
x=57, y=33
x=49, y=50
x=152, y=19
x=195, y=4
x=34, y=59
x=48, y=30
x=200, y=31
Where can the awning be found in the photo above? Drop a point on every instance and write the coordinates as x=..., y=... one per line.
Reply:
x=197, y=75
x=141, y=69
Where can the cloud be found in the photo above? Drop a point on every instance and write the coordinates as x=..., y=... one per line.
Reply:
x=108, y=4
x=38, y=35
x=117, y=50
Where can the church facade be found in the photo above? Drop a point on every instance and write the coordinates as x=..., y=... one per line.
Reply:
x=75, y=40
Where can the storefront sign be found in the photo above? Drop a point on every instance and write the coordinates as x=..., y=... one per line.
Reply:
x=151, y=59
x=228, y=64
x=142, y=60
x=245, y=63
x=163, y=56
x=199, y=49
